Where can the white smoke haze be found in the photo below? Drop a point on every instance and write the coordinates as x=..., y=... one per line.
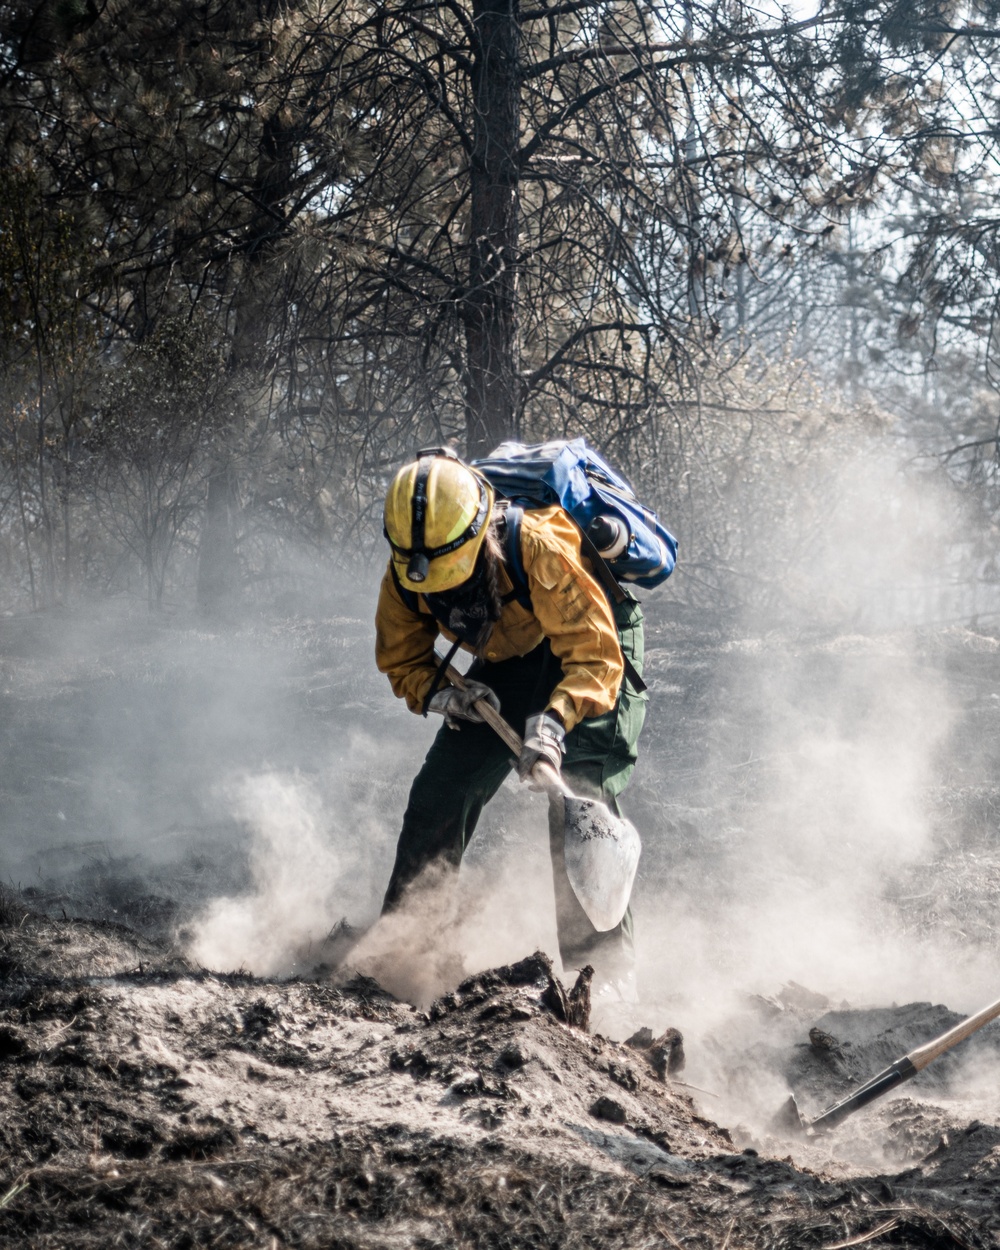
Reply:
x=845, y=732
x=509, y=908
x=786, y=785
x=848, y=735
x=496, y=910
x=316, y=856
x=298, y=874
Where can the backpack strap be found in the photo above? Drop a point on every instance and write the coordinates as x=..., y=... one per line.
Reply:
x=632, y=673
x=607, y=580
x=616, y=594
x=439, y=676
x=514, y=515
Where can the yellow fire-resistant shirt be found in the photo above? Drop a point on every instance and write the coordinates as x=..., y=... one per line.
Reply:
x=568, y=607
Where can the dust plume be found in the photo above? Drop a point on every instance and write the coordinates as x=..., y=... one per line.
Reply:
x=809, y=754
x=816, y=781
x=154, y=765
x=298, y=872
x=498, y=907
x=832, y=727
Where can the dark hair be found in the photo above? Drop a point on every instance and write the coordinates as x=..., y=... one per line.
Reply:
x=493, y=558
x=471, y=608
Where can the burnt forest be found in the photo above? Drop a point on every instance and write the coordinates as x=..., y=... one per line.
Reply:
x=255, y=256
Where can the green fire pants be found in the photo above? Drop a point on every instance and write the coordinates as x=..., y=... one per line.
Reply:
x=464, y=769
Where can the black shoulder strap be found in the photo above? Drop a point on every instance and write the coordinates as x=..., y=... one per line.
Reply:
x=615, y=593
x=632, y=674
x=600, y=566
x=412, y=602
x=442, y=668
x=513, y=515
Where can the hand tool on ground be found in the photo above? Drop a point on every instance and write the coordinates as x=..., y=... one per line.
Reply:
x=910, y=1064
x=601, y=850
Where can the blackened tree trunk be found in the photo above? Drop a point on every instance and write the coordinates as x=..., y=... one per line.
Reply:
x=218, y=569
x=492, y=399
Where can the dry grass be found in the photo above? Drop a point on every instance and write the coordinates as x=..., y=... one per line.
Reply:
x=363, y=1194
x=13, y=909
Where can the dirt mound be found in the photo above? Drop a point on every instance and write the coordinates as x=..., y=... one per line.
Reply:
x=847, y=1047
x=143, y=1102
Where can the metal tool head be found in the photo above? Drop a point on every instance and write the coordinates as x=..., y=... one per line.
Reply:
x=602, y=854
x=790, y=1121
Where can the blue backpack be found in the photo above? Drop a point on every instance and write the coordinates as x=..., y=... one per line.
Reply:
x=567, y=472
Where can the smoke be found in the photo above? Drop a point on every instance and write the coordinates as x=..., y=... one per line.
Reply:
x=240, y=788
x=805, y=786
x=806, y=745
x=496, y=910
x=319, y=852
x=299, y=872
x=811, y=797
x=156, y=765
x=831, y=805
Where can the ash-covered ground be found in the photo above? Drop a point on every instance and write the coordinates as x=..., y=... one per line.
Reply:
x=145, y=1103
x=188, y=811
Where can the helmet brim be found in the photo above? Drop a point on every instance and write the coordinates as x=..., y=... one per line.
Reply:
x=445, y=572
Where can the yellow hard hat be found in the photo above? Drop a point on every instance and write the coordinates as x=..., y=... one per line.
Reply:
x=436, y=516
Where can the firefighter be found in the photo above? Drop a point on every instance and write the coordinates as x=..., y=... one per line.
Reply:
x=555, y=670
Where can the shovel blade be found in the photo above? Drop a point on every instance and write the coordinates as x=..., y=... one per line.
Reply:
x=602, y=854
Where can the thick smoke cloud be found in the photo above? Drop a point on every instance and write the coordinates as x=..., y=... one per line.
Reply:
x=789, y=791
x=835, y=726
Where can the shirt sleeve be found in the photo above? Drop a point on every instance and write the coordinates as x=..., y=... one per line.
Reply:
x=575, y=616
x=404, y=645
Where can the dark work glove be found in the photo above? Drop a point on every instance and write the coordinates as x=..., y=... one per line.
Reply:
x=456, y=705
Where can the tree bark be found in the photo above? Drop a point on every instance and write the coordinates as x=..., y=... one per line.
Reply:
x=217, y=570
x=492, y=400
x=218, y=573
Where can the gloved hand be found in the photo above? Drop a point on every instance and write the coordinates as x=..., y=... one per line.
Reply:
x=456, y=705
x=543, y=740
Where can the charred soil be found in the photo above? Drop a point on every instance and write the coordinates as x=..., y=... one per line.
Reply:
x=144, y=1102
x=148, y=1102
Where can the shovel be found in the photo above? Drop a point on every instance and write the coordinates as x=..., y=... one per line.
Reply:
x=893, y=1075
x=601, y=849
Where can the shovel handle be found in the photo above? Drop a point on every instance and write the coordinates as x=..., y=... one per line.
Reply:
x=904, y=1068
x=488, y=712
x=923, y=1055
x=543, y=772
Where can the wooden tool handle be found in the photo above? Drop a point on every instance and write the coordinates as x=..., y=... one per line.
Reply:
x=547, y=776
x=488, y=712
x=543, y=772
x=923, y=1055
